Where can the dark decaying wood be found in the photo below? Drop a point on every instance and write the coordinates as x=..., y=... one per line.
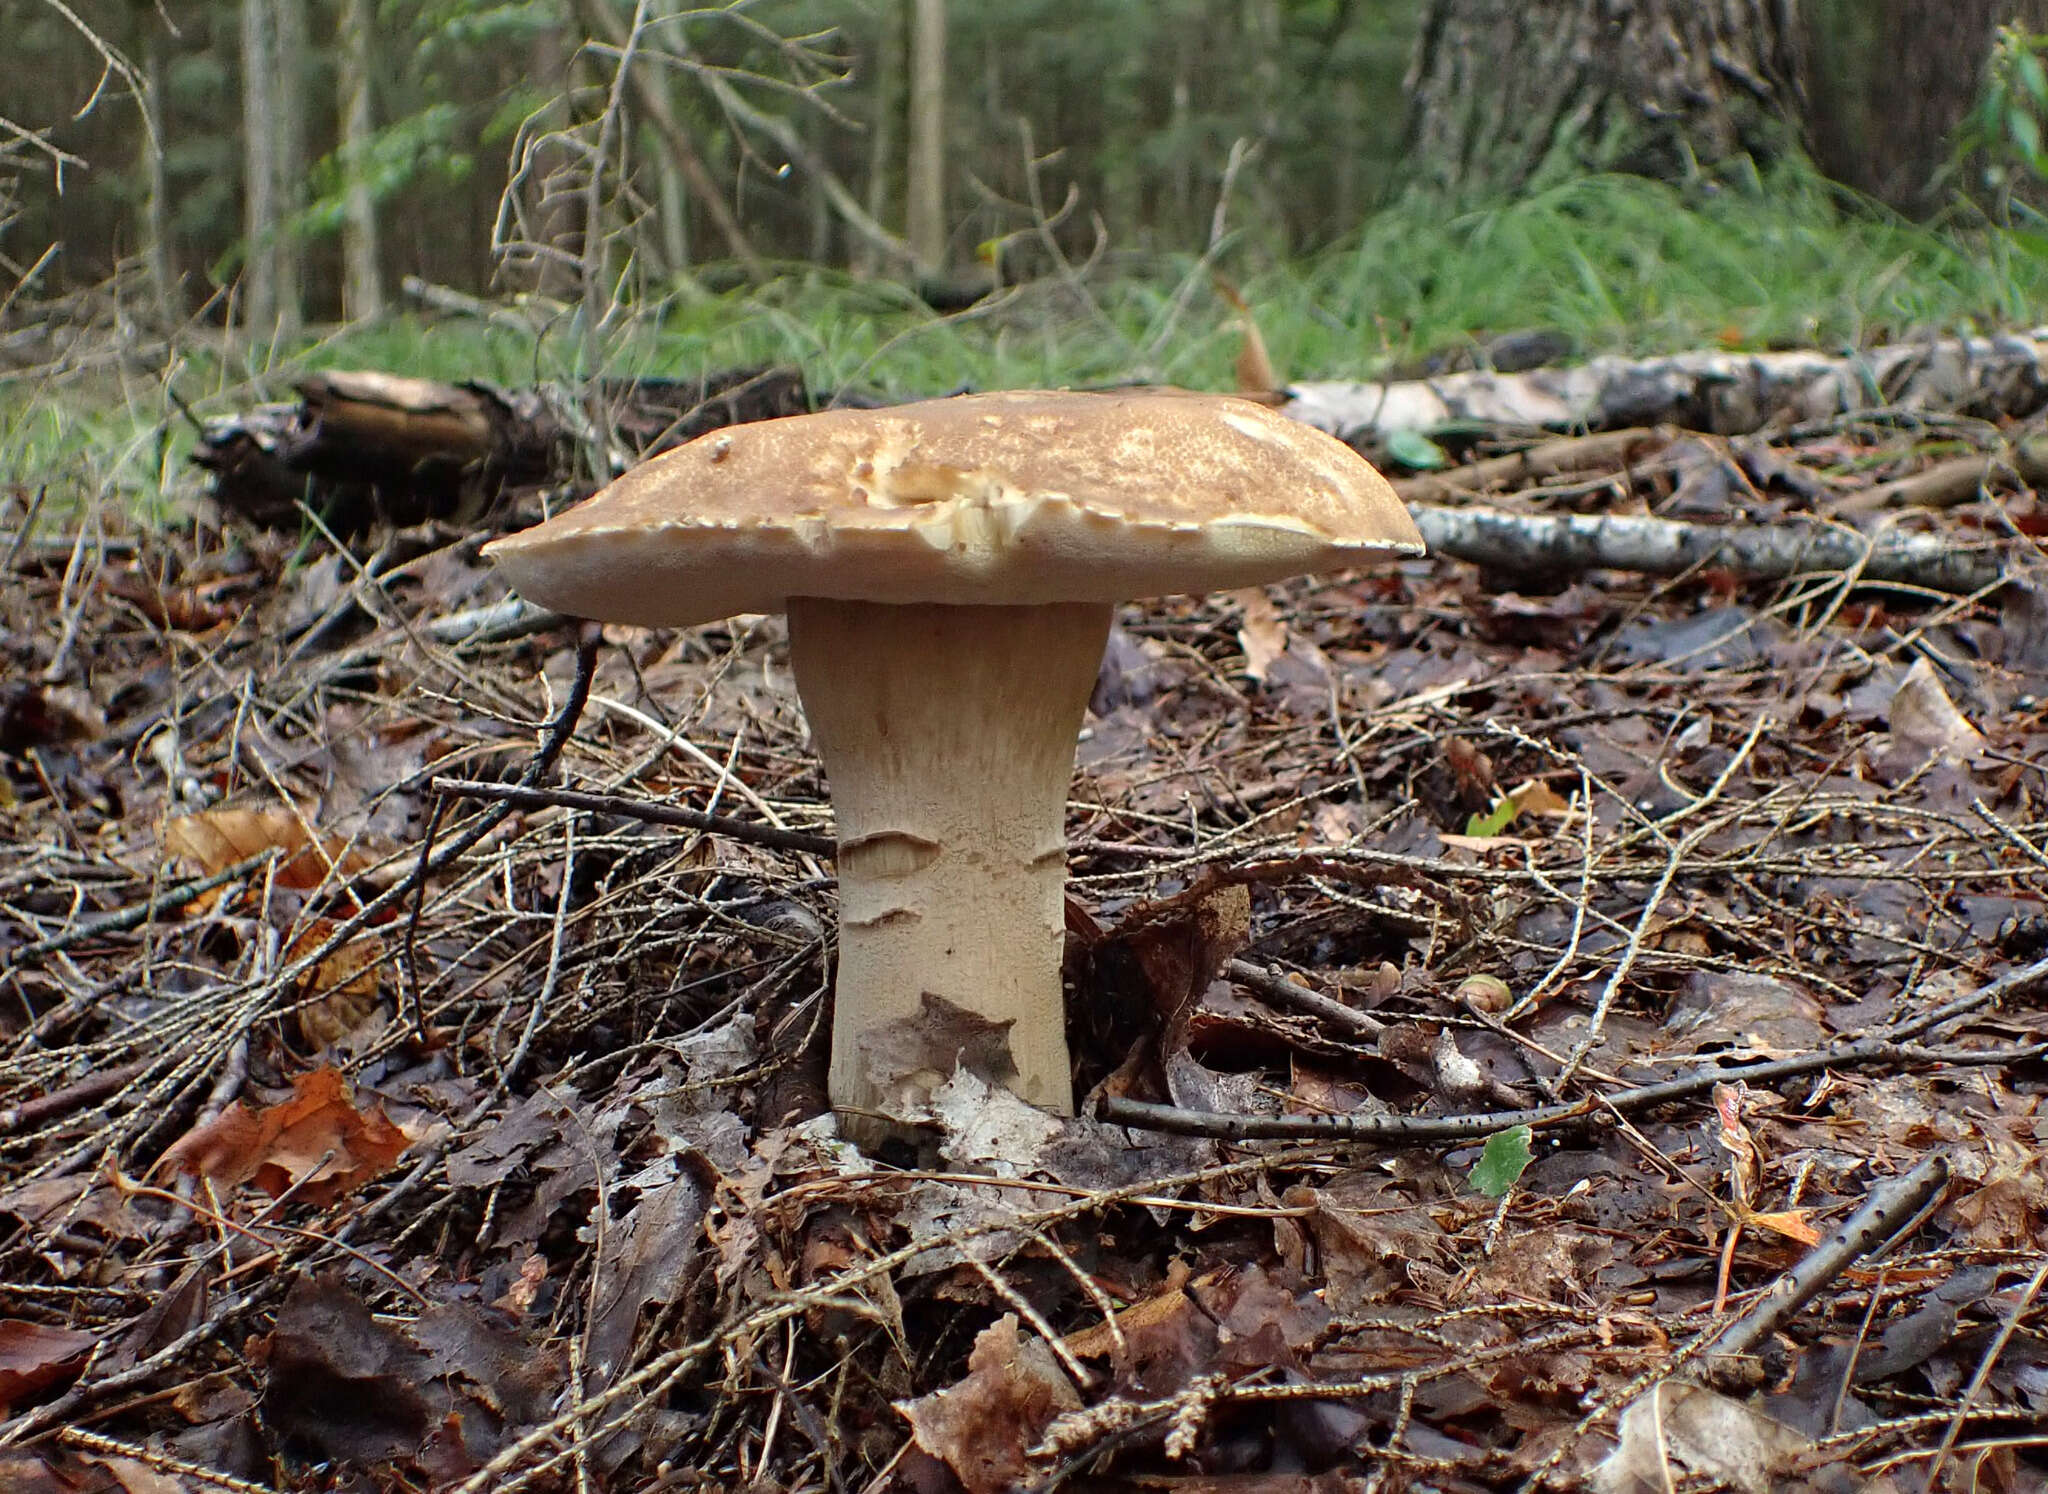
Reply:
x=363, y=447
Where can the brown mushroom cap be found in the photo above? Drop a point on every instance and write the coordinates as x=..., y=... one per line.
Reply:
x=1011, y=498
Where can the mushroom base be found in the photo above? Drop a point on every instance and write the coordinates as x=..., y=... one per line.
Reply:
x=948, y=736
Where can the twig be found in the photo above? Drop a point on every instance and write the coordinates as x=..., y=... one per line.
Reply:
x=1889, y=1205
x=122, y=919
x=526, y=796
x=1410, y=1129
x=96, y=1086
x=1991, y=1355
x=1279, y=990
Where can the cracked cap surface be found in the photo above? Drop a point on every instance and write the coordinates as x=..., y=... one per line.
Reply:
x=1021, y=497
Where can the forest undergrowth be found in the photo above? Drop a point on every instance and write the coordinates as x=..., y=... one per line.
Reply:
x=1653, y=968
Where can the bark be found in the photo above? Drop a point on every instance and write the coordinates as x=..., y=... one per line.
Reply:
x=364, y=448
x=362, y=291
x=1889, y=82
x=1721, y=393
x=157, y=251
x=259, y=170
x=925, y=219
x=1549, y=545
x=289, y=40
x=1506, y=94
x=884, y=128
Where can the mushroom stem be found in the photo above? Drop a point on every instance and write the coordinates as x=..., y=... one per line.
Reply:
x=948, y=736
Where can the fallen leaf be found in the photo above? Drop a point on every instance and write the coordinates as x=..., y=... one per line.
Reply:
x=218, y=838
x=346, y=982
x=1676, y=1429
x=1263, y=634
x=34, y=1357
x=982, y=1427
x=1922, y=716
x=317, y=1138
x=1502, y=1161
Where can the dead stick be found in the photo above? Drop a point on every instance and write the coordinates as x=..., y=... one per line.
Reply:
x=1410, y=1129
x=1524, y=543
x=1280, y=991
x=1546, y=459
x=1946, y=484
x=61, y=1101
x=523, y=796
x=123, y=919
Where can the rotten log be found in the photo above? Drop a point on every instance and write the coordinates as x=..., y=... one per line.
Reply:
x=361, y=448
x=1719, y=393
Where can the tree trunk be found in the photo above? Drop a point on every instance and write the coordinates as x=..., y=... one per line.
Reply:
x=259, y=170
x=925, y=222
x=1891, y=80
x=1506, y=94
x=157, y=251
x=289, y=95
x=886, y=110
x=362, y=286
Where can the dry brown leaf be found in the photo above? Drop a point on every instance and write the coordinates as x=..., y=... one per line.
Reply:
x=34, y=1356
x=317, y=1138
x=1263, y=634
x=983, y=1426
x=346, y=981
x=218, y=838
x=1923, y=716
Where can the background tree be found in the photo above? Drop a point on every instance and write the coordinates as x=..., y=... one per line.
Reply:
x=1891, y=80
x=1507, y=93
x=925, y=215
x=362, y=277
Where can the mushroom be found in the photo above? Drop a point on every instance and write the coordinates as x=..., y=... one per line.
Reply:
x=949, y=570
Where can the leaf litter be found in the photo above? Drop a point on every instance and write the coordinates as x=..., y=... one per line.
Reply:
x=375, y=1166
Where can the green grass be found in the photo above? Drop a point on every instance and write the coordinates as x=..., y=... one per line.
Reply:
x=1616, y=263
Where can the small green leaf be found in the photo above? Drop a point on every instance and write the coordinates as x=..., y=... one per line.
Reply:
x=1415, y=451
x=1496, y=820
x=2026, y=132
x=2033, y=77
x=1507, y=1153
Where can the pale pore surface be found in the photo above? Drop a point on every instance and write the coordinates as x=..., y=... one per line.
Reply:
x=998, y=498
x=949, y=774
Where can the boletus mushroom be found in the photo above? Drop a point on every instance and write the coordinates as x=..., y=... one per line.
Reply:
x=949, y=570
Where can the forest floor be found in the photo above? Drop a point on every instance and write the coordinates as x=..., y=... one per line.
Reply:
x=357, y=1134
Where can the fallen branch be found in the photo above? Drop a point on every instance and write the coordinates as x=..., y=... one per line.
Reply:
x=1604, y=449
x=1889, y=1205
x=1554, y=543
x=1721, y=393
x=1946, y=484
x=1407, y=1130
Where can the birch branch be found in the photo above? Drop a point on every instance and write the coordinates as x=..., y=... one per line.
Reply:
x=1720, y=393
x=1564, y=543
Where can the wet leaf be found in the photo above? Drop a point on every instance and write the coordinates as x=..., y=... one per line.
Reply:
x=983, y=1426
x=34, y=1357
